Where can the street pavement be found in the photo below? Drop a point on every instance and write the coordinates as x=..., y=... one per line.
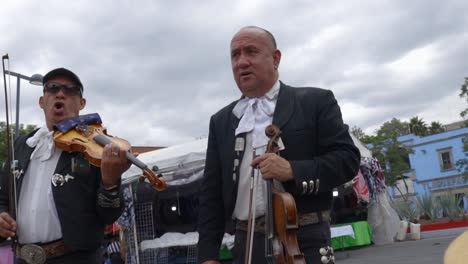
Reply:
x=429, y=250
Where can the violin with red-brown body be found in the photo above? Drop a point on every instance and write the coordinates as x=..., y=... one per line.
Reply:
x=91, y=139
x=282, y=218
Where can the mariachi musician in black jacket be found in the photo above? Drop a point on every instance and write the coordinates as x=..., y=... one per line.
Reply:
x=318, y=154
x=63, y=202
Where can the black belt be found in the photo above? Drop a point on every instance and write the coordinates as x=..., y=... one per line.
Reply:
x=304, y=219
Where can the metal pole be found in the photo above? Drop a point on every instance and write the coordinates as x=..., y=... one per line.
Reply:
x=17, y=107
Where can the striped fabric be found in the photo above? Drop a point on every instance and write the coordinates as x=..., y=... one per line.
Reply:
x=113, y=247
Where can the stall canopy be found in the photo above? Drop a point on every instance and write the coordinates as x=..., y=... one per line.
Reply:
x=179, y=164
x=365, y=152
x=184, y=163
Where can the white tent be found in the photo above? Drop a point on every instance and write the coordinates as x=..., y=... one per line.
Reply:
x=179, y=164
x=184, y=163
x=365, y=152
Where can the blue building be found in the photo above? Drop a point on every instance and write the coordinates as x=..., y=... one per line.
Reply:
x=433, y=166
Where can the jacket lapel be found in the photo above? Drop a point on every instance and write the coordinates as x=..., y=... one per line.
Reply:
x=284, y=106
x=64, y=162
x=25, y=156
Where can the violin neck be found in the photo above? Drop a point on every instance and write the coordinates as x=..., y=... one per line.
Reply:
x=136, y=161
x=103, y=140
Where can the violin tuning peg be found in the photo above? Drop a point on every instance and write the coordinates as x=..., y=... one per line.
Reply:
x=141, y=179
x=155, y=168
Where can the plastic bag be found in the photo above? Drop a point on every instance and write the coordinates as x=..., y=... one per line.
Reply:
x=383, y=219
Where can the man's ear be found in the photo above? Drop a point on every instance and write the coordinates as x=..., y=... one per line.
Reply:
x=277, y=58
x=82, y=103
x=41, y=102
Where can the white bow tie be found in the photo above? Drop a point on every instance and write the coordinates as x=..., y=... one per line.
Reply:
x=257, y=114
x=43, y=143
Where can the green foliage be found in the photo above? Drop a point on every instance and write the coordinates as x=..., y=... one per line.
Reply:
x=396, y=157
x=435, y=127
x=407, y=210
x=462, y=164
x=464, y=95
x=393, y=129
x=3, y=138
x=450, y=205
x=358, y=133
x=392, y=155
x=428, y=207
x=418, y=126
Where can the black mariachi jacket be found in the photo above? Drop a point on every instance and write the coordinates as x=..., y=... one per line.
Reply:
x=83, y=206
x=317, y=145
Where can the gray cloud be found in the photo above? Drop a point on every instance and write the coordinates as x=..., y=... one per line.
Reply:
x=156, y=71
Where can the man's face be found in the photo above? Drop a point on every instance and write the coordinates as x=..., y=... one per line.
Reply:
x=254, y=62
x=59, y=105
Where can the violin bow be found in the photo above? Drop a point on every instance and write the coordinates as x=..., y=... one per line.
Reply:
x=10, y=155
x=252, y=211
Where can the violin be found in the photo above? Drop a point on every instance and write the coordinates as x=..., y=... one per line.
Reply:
x=281, y=220
x=91, y=139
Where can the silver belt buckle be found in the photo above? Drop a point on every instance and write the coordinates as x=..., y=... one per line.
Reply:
x=33, y=254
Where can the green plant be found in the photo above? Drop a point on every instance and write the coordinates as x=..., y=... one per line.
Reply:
x=428, y=207
x=450, y=205
x=407, y=210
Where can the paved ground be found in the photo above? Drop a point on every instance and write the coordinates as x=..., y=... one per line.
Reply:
x=429, y=250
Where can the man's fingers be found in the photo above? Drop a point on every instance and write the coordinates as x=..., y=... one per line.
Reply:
x=8, y=221
x=7, y=225
x=255, y=162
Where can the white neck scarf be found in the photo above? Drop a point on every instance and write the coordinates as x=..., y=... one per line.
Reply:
x=257, y=114
x=43, y=143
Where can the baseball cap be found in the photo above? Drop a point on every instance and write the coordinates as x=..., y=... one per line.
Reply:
x=65, y=73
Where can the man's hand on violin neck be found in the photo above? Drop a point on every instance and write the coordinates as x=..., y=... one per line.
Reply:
x=273, y=166
x=7, y=225
x=114, y=163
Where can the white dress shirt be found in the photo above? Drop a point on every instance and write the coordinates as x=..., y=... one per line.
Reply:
x=37, y=219
x=257, y=114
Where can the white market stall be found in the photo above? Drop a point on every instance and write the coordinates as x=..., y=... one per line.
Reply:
x=182, y=168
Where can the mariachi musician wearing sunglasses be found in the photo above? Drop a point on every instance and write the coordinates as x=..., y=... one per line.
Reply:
x=63, y=202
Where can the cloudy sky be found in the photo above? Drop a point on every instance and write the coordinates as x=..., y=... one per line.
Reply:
x=157, y=70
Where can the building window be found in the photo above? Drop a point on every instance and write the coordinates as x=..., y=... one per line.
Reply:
x=446, y=159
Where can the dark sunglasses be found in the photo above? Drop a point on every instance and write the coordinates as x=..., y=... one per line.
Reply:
x=68, y=89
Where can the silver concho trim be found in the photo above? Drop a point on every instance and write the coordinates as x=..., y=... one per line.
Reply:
x=58, y=180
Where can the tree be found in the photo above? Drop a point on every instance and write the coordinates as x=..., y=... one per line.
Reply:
x=464, y=95
x=393, y=129
x=3, y=138
x=418, y=126
x=392, y=155
x=462, y=164
x=358, y=133
x=435, y=127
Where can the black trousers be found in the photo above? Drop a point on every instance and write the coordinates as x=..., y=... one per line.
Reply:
x=310, y=238
x=115, y=258
x=78, y=257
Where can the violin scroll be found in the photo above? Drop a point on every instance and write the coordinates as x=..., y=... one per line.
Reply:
x=273, y=132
